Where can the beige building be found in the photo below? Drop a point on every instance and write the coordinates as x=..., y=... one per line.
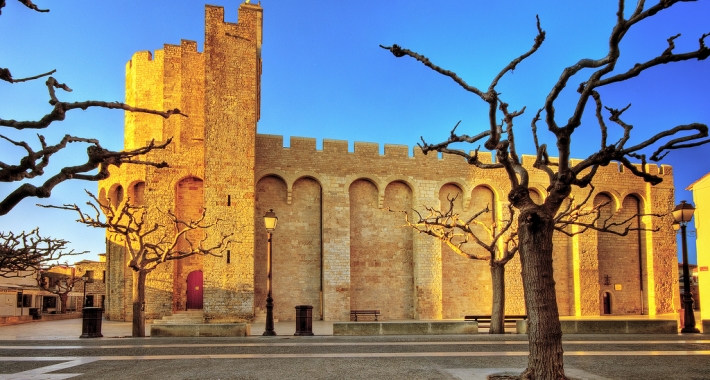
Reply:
x=95, y=287
x=336, y=246
x=701, y=198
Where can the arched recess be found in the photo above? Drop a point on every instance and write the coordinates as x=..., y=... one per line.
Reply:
x=607, y=304
x=136, y=193
x=271, y=193
x=189, y=203
x=620, y=256
x=115, y=195
x=381, y=263
x=103, y=198
x=563, y=270
x=296, y=247
x=466, y=283
x=536, y=196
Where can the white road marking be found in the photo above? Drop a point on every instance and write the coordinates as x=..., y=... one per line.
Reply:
x=331, y=344
x=42, y=372
x=351, y=355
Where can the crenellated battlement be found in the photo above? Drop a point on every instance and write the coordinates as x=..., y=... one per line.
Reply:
x=302, y=146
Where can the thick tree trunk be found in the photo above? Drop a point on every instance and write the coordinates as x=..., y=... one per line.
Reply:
x=138, y=302
x=63, y=302
x=544, y=333
x=498, y=311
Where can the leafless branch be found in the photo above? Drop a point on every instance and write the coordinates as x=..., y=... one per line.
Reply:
x=33, y=164
x=23, y=253
x=590, y=218
x=561, y=175
x=149, y=244
x=29, y=4
x=453, y=230
x=6, y=76
x=61, y=108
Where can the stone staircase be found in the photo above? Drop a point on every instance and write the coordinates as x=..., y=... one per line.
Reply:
x=189, y=317
x=192, y=323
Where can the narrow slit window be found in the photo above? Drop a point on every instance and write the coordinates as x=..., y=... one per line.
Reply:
x=229, y=256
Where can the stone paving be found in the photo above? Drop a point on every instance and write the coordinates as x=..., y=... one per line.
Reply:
x=53, y=350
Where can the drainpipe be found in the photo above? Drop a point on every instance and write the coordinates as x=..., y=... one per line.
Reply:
x=638, y=235
x=321, y=256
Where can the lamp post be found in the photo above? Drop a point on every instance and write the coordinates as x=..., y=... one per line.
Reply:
x=270, y=220
x=682, y=214
x=84, y=278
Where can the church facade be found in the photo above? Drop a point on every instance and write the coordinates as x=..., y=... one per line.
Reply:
x=336, y=246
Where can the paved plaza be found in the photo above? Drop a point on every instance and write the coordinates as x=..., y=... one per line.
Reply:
x=53, y=350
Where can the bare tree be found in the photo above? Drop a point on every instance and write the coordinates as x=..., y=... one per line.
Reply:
x=58, y=283
x=25, y=253
x=536, y=223
x=500, y=238
x=34, y=161
x=456, y=232
x=148, y=244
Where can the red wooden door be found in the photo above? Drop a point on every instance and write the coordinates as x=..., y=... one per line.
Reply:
x=194, y=290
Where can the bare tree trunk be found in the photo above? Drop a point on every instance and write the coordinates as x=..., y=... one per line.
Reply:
x=498, y=311
x=139, y=277
x=63, y=302
x=545, y=361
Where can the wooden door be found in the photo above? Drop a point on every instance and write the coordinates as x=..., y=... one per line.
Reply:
x=194, y=290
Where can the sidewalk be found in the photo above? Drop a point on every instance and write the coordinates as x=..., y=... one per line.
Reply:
x=71, y=329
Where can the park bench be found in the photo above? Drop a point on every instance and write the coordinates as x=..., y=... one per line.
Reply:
x=487, y=318
x=364, y=312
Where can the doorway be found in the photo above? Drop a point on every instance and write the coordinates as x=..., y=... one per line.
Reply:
x=194, y=290
x=606, y=301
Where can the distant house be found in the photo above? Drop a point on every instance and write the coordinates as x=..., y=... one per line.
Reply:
x=21, y=295
x=701, y=198
x=96, y=283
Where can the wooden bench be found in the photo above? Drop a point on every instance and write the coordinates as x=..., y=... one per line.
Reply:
x=364, y=312
x=487, y=318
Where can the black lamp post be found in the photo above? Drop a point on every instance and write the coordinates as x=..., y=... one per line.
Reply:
x=682, y=214
x=270, y=220
x=84, y=278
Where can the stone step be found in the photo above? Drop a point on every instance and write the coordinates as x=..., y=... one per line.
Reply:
x=182, y=317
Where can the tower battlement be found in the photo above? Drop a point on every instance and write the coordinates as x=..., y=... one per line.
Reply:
x=332, y=149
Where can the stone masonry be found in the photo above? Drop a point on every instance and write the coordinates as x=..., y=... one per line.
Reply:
x=336, y=246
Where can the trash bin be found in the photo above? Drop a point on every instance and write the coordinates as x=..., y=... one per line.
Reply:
x=91, y=323
x=34, y=312
x=304, y=320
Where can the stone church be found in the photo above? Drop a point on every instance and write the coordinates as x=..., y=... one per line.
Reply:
x=336, y=247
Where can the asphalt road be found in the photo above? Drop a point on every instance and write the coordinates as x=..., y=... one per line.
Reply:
x=327, y=357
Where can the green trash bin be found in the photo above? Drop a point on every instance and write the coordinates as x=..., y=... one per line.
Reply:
x=304, y=320
x=91, y=323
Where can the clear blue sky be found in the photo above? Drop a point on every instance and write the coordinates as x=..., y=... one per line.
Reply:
x=324, y=75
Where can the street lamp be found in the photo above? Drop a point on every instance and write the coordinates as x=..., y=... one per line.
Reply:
x=270, y=220
x=682, y=214
x=84, y=278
